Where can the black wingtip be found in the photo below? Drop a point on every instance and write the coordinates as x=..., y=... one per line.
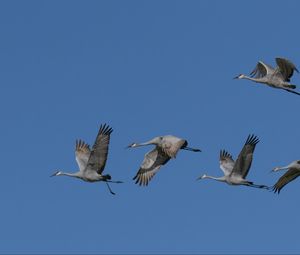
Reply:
x=276, y=189
x=78, y=143
x=225, y=154
x=252, y=140
x=81, y=144
x=105, y=129
x=135, y=178
x=140, y=181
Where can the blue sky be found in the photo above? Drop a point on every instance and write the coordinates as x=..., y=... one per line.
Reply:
x=146, y=68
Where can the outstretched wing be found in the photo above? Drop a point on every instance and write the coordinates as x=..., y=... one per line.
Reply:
x=286, y=68
x=226, y=162
x=151, y=164
x=289, y=176
x=172, y=144
x=261, y=70
x=243, y=163
x=99, y=151
x=82, y=154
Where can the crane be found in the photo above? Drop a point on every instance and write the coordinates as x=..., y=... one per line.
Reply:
x=235, y=172
x=278, y=77
x=166, y=147
x=91, y=163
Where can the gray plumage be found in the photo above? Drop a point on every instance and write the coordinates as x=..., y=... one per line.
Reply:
x=166, y=147
x=91, y=163
x=292, y=173
x=278, y=77
x=235, y=172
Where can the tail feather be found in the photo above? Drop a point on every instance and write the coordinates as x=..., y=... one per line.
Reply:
x=106, y=177
x=290, y=86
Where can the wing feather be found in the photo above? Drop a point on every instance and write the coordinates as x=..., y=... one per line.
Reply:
x=151, y=164
x=261, y=70
x=286, y=68
x=82, y=154
x=226, y=162
x=99, y=151
x=243, y=163
x=289, y=176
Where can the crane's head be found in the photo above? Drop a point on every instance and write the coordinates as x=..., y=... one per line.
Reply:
x=132, y=145
x=240, y=76
x=202, y=177
x=57, y=173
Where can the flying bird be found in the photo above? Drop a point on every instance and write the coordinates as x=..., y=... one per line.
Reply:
x=235, y=172
x=278, y=77
x=292, y=173
x=166, y=147
x=91, y=163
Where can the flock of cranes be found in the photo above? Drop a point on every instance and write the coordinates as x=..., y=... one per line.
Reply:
x=91, y=162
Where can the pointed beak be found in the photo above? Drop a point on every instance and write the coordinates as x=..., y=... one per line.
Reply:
x=53, y=174
x=274, y=169
x=130, y=146
x=236, y=77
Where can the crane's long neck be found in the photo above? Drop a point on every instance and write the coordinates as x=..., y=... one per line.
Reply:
x=279, y=168
x=282, y=168
x=250, y=78
x=76, y=175
x=220, y=179
x=144, y=144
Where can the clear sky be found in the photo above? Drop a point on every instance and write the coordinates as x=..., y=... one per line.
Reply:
x=146, y=68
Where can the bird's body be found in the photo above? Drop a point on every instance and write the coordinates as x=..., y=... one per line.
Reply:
x=292, y=173
x=92, y=162
x=166, y=147
x=278, y=77
x=235, y=172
